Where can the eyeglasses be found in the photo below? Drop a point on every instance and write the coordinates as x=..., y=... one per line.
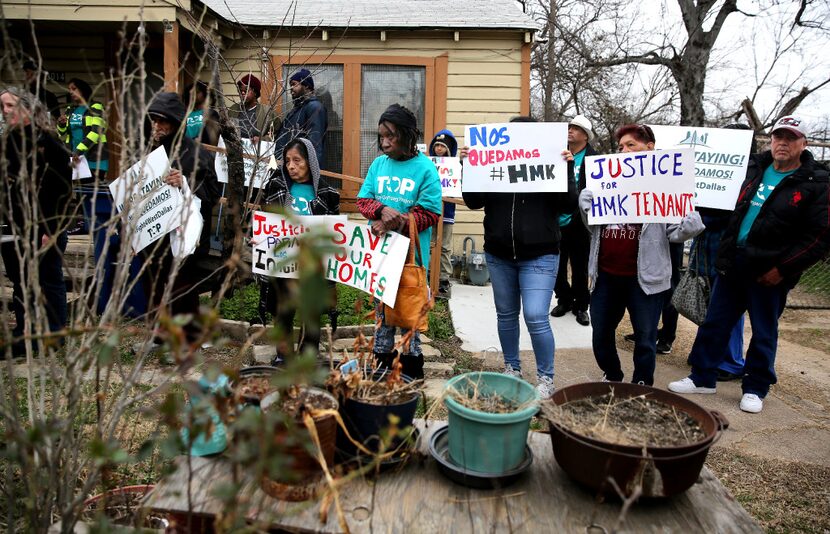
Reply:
x=647, y=133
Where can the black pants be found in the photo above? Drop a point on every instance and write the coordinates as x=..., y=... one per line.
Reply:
x=573, y=249
x=275, y=297
x=52, y=284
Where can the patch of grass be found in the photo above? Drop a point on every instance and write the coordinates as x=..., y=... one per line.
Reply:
x=243, y=305
x=440, y=322
x=782, y=496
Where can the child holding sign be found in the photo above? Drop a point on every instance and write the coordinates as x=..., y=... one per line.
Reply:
x=399, y=182
x=299, y=188
x=630, y=268
x=443, y=145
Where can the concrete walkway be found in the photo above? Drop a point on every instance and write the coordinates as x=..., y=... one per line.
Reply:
x=474, y=317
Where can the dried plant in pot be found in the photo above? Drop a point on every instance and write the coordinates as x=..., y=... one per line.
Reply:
x=305, y=429
x=378, y=404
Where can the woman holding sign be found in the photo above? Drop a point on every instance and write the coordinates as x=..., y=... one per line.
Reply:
x=399, y=182
x=521, y=242
x=630, y=268
x=301, y=190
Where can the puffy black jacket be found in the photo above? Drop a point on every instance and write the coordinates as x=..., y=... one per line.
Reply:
x=792, y=230
x=308, y=118
x=522, y=226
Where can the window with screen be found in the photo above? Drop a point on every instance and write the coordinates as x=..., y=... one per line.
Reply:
x=381, y=86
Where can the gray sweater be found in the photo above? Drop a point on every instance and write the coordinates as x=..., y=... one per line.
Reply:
x=653, y=260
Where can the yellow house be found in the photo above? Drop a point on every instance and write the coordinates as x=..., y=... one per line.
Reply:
x=453, y=63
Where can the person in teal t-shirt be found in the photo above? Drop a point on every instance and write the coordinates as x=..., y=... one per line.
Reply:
x=400, y=182
x=203, y=122
x=768, y=184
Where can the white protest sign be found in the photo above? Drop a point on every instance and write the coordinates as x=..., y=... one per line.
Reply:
x=721, y=157
x=80, y=170
x=641, y=187
x=185, y=238
x=449, y=171
x=154, y=208
x=370, y=263
x=261, y=158
x=516, y=157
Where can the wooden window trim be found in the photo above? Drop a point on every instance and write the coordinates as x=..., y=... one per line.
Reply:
x=435, y=100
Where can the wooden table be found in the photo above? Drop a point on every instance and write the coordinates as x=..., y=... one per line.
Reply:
x=419, y=499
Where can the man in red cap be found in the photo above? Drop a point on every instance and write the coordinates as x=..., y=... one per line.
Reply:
x=255, y=120
x=780, y=227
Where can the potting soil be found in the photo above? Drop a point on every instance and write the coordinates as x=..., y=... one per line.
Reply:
x=636, y=421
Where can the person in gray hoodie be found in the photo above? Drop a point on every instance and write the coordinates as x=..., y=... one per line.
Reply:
x=298, y=188
x=629, y=267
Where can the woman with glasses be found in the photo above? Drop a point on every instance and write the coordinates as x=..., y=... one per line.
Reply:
x=629, y=267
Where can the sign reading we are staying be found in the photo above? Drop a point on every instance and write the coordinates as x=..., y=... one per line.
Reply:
x=641, y=187
x=154, y=208
x=721, y=158
x=362, y=260
x=257, y=161
x=516, y=157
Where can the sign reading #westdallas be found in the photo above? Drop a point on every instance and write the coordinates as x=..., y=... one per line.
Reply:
x=721, y=157
x=370, y=263
x=641, y=187
x=516, y=157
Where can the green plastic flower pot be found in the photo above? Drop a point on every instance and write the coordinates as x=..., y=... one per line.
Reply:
x=490, y=442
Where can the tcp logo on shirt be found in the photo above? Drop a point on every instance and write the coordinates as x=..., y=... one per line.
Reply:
x=393, y=184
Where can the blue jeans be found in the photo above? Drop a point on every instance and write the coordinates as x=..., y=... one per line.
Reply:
x=97, y=210
x=526, y=285
x=611, y=297
x=385, y=336
x=734, y=360
x=732, y=295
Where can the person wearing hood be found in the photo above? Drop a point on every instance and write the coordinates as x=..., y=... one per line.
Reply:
x=300, y=189
x=167, y=113
x=308, y=118
x=442, y=145
x=49, y=189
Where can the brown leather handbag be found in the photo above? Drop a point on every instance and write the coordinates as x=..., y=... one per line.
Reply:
x=413, y=302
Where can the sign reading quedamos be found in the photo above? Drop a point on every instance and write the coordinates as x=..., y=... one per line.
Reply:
x=362, y=260
x=516, y=157
x=154, y=208
x=641, y=187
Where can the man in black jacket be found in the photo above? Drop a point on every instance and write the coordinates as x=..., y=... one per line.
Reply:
x=167, y=113
x=780, y=227
x=308, y=118
x=576, y=240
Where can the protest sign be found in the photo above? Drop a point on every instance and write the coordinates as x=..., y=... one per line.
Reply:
x=261, y=159
x=449, y=171
x=641, y=187
x=154, y=208
x=721, y=157
x=80, y=170
x=370, y=263
x=516, y=157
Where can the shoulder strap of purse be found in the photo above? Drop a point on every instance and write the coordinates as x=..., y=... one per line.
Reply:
x=414, y=242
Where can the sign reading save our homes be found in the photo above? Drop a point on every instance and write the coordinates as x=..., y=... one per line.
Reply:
x=641, y=187
x=721, y=157
x=370, y=263
x=258, y=162
x=516, y=157
x=449, y=171
x=154, y=208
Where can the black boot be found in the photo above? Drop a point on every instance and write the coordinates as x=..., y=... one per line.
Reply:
x=413, y=366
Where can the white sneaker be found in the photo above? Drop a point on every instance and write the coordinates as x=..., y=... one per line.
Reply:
x=752, y=403
x=687, y=385
x=544, y=386
x=509, y=371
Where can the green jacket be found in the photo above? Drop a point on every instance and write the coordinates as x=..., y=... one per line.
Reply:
x=93, y=142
